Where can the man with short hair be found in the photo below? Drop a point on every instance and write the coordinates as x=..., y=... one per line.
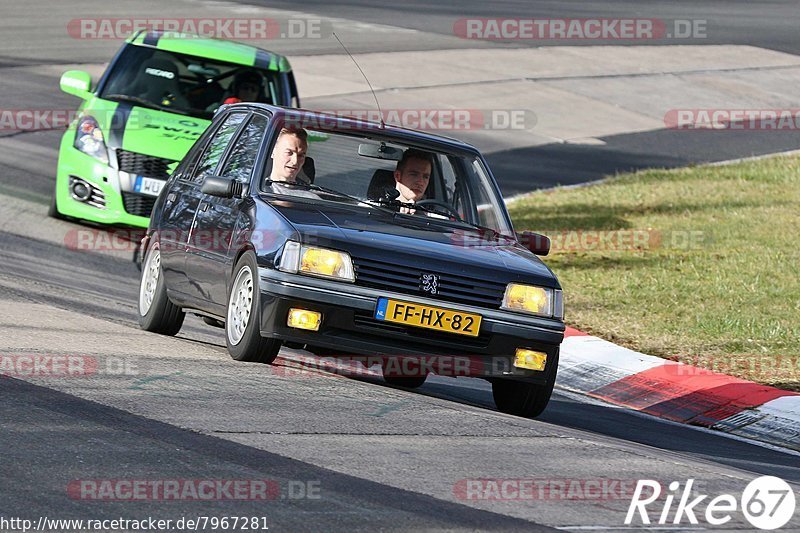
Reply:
x=289, y=154
x=412, y=176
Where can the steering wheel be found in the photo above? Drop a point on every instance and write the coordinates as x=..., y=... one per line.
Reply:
x=447, y=207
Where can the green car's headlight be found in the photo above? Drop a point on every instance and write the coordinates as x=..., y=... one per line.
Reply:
x=534, y=300
x=89, y=139
x=315, y=261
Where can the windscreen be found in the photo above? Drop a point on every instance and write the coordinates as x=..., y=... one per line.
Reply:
x=411, y=180
x=186, y=84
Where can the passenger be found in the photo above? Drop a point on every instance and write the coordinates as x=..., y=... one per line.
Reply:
x=247, y=87
x=412, y=176
x=289, y=154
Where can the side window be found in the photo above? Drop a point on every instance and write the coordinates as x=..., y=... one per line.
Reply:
x=215, y=149
x=239, y=165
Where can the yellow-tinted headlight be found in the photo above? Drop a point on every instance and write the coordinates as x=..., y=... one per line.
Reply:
x=528, y=299
x=327, y=263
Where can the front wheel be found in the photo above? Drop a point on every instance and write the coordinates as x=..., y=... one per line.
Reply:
x=52, y=210
x=409, y=382
x=242, y=332
x=521, y=398
x=156, y=312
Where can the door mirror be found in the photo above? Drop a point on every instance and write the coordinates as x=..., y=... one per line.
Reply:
x=77, y=83
x=222, y=187
x=535, y=242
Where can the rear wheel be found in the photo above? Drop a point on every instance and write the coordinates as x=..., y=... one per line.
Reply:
x=242, y=335
x=156, y=312
x=521, y=398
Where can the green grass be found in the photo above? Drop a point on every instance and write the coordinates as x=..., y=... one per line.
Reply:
x=720, y=289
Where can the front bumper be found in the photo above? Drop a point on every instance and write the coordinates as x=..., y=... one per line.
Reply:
x=348, y=327
x=73, y=163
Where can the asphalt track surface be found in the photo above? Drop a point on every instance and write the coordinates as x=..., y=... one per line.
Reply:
x=382, y=457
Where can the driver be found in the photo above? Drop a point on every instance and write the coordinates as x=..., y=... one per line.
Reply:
x=289, y=154
x=246, y=87
x=412, y=176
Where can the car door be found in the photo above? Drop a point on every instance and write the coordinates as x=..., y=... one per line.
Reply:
x=176, y=218
x=210, y=257
x=191, y=197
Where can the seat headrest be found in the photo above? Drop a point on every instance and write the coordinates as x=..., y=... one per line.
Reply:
x=382, y=179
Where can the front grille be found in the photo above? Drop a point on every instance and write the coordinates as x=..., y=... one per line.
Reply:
x=143, y=165
x=138, y=204
x=452, y=287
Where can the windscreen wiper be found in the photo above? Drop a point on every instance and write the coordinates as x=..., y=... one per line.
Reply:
x=312, y=187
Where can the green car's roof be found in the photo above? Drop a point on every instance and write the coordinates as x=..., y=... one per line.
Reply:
x=230, y=51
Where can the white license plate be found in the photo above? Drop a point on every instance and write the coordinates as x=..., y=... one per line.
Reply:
x=149, y=186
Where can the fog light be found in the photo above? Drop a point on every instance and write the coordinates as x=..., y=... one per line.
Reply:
x=530, y=360
x=81, y=190
x=303, y=319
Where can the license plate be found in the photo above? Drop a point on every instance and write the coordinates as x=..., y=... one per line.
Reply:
x=425, y=316
x=150, y=186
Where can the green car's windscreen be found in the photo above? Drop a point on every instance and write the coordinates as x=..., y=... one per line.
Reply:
x=181, y=83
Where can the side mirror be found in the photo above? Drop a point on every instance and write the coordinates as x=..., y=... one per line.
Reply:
x=222, y=187
x=535, y=242
x=77, y=83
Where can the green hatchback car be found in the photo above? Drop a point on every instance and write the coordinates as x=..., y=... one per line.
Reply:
x=154, y=100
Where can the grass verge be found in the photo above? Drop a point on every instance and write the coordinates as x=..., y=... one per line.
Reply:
x=699, y=265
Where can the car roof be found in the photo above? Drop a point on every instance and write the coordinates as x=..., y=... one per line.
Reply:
x=322, y=121
x=222, y=50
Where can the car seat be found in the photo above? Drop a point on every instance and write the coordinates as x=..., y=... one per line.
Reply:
x=157, y=79
x=382, y=179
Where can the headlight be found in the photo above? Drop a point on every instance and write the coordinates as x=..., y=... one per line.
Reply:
x=89, y=139
x=533, y=300
x=297, y=258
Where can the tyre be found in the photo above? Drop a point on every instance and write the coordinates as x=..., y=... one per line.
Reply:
x=52, y=210
x=242, y=335
x=390, y=375
x=409, y=382
x=156, y=312
x=521, y=398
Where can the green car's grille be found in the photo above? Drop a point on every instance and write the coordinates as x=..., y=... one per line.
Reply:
x=143, y=165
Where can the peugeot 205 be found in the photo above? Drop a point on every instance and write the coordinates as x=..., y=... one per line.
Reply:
x=370, y=240
x=154, y=100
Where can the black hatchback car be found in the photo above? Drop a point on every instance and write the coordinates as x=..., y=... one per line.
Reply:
x=347, y=237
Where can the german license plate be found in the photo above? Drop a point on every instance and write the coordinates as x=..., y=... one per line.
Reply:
x=149, y=186
x=425, y=316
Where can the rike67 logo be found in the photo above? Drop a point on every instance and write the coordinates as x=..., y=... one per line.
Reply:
x=767, y=503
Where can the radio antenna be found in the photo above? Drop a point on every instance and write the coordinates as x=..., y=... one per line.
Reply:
x=378, y=105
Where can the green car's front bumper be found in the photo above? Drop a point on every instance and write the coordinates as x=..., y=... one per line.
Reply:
x=112, y=197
